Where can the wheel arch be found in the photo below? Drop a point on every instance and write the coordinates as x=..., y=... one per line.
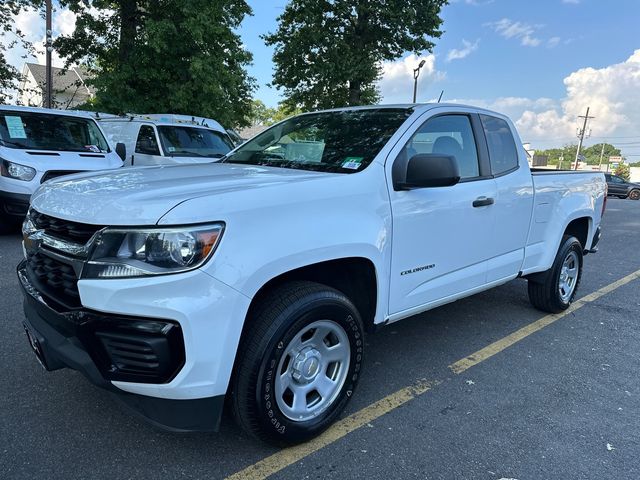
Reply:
x=356, y=277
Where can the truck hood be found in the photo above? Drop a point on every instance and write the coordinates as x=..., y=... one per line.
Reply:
x=142, y=195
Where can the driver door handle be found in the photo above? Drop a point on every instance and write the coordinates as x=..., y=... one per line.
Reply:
x=482, y=202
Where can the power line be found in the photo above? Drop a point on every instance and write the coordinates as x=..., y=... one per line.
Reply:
x=581, y=135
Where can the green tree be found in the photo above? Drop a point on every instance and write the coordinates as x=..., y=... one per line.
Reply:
x=263, y=115
x=592, y=154
x=11, y=37
x=328, y=53
x=159, y=56
x=623, y=171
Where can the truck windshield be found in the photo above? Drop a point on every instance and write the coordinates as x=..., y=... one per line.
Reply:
x=194, y=142
x=48, y=131
x=344, y=141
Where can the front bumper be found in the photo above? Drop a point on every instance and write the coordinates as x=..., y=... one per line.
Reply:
x=14, y=204
x=175, y=402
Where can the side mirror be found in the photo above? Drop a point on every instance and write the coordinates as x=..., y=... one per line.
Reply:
x=429, y=170
x=121, y=150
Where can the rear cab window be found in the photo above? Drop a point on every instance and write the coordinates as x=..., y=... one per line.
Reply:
x=503, y=153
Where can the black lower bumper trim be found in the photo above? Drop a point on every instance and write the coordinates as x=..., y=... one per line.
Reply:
x=57, y=346
x=193, y=415
x=14, y=204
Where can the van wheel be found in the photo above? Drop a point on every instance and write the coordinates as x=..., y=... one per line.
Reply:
x=298, y=364
x=557, y=288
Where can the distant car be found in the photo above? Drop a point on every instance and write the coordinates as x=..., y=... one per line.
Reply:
x=619, y=187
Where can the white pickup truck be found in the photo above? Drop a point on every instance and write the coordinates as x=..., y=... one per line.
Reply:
x=254, y=279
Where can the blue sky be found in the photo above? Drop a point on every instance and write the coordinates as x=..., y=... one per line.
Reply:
x=593, y=33
x=542, y=62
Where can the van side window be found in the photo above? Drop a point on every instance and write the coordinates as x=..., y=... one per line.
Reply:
x=502, y=148
x=147, y=143
x=447, y=135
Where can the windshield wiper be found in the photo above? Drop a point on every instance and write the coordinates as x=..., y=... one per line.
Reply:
x=17, y=144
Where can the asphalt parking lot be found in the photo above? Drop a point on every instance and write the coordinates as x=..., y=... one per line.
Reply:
x=563, y=402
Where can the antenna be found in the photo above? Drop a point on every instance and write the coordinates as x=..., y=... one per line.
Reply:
x=440, y=97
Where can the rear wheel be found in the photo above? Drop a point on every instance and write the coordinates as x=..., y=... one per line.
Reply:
x=634, y=194
x=298, y=364
x=555, y=291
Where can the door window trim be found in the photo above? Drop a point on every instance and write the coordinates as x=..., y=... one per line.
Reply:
x=155, y=133
x=484, y=167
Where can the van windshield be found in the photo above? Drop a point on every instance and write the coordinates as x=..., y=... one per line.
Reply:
x=194, y=142
x=334, y=141
x=47, y=131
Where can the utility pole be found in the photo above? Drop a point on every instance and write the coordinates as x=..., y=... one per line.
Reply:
x=49, y=46
x=416, y=74
x=581, y=134
x=601, y=155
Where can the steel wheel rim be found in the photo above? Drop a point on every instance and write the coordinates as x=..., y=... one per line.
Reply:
x=568, y=276
x=312, y=370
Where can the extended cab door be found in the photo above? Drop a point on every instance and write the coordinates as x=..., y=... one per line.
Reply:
x=513, y=205
x=439, y=244
x=147, y=150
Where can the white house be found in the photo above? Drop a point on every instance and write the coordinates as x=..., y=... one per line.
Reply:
x=69, y=87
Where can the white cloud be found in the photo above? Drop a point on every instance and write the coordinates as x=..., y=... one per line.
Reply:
x=511, y=29
x=467, y=49
x=396, y=83
x=553, y=42
x=612, y=93
x=32, y=25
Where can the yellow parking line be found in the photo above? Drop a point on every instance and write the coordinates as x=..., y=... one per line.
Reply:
x=498, y=346
x=282, y=459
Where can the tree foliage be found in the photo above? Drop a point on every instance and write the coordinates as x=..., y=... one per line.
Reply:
x=592, y=154
x=158, y=56
x=328, y=53
x=623, y=170
x=263, y=115
x=11, y=37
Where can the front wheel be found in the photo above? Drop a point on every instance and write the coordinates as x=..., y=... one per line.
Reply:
x=298, y=364
x=634, y=194
x=555, y=291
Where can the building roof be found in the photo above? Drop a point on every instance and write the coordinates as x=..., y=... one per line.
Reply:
x=63, y=80
x=252, y=131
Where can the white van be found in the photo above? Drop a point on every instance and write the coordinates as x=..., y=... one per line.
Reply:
x=38, y=144
x=166, y=139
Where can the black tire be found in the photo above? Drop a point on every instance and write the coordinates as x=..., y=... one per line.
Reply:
x=544, y=291
x=275, y=322
x=634, y=194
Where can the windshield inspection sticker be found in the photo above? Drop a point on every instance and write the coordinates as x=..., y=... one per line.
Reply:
x=352, y=163
x=15, y=127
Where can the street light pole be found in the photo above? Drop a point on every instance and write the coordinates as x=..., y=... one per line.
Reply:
x=416, y=74
x=49, y=48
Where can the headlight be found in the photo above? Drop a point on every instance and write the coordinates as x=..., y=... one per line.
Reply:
x=17, y=171
x=155, y=251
